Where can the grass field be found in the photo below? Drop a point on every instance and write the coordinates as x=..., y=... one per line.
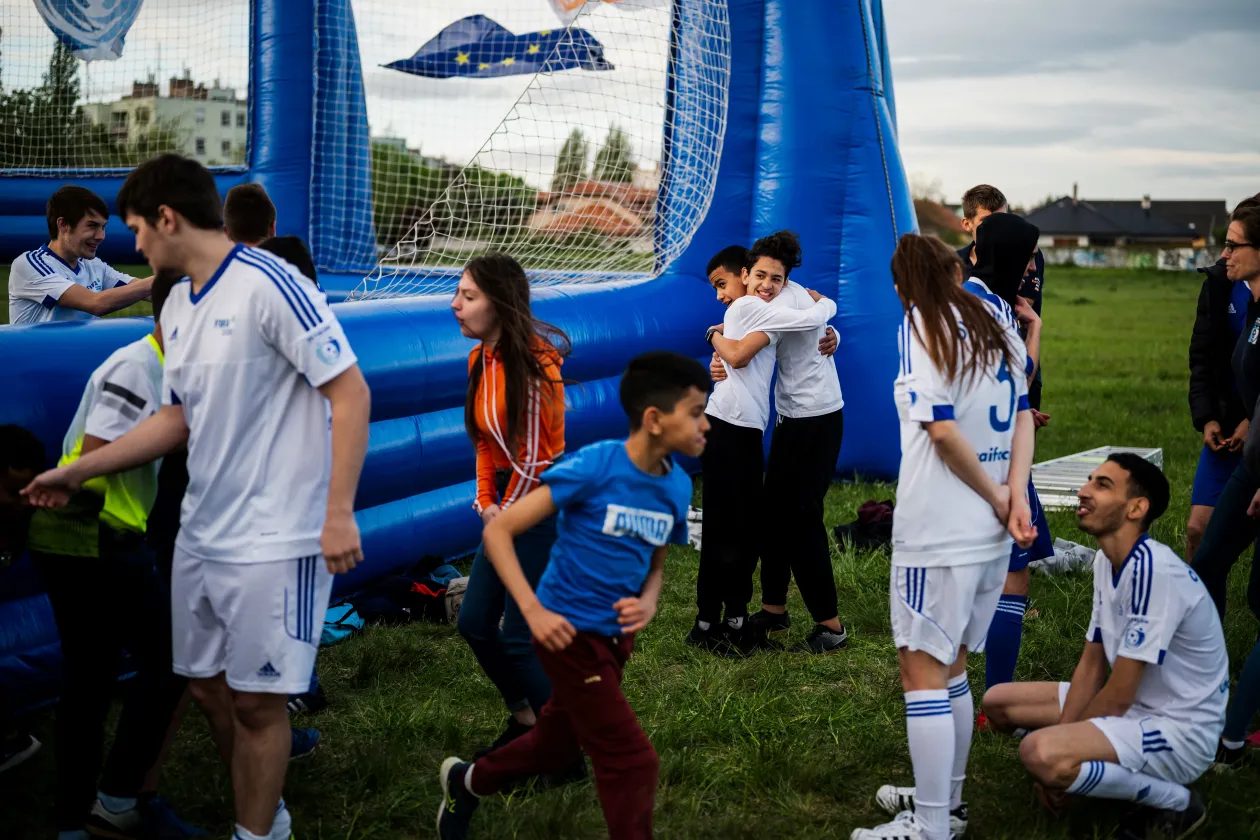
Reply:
x=777, y=746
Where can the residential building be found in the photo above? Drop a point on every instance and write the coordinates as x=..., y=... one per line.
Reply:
x=1073, y=222
x=211, y=123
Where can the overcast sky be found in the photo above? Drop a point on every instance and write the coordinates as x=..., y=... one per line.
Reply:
x=1125, y=97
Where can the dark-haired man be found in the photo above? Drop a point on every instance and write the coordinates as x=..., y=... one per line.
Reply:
x=65, y=280
x=1150, y=727
x=256, y=365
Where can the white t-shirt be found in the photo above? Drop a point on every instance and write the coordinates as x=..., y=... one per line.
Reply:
x=124, y=390
x=244, y=358
x=939, y=520
x=1157, y=611
x=39, y=278
x=808, y=385
x=743, y=398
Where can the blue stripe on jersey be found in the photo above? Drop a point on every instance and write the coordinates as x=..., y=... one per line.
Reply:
x=942, y=412
x=46, y=251
x=299, y=627
x=1097, y=637
x=175, y=400
x=39, y=267
x=1023, y=403
x=1030, y=367
x=48, y=302
x=1143, y=573
x=194, y=297
x=272, y=260
x=310, y=599
x=306, y=312
x=288, y=298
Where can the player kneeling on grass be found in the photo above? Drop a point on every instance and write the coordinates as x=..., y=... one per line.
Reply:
x=1150, y=727
x=966, y=444
x=620, y=502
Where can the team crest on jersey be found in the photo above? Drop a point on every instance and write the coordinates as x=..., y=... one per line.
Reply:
x=1135, y=634
x=1255, y=332
x=650, y=526
x=329, y=351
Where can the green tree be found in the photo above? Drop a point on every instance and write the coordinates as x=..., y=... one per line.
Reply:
x=614, y=161
x=571, y=163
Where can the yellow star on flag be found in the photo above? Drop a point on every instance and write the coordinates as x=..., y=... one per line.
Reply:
x=545, y=33
x=509, y=61
x=461, y=58
x=533, y=48
x=483, y=66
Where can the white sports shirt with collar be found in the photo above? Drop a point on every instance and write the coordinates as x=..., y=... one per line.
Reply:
x=1157, y=611
x=244, y=359
x=38, y=279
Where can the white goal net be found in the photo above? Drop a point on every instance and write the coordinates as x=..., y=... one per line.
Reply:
x=176, y=79
x=596, y=163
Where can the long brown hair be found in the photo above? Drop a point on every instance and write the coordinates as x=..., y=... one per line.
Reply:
x=927, y=274
x=524, y=341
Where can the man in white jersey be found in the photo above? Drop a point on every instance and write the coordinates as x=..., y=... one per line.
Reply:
x=262, y=384
x=966, y=453
x=64, y=280
x=1150, y=727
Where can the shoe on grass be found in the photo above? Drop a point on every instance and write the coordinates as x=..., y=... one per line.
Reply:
x=894, y=800
x=1167, y=824
x=302, y=742
x=772, y=624
x=1229, y=759
x=16, y=749
x=162, y=821
x=311, y=702
x=822, y=639
x=715, y=640
x=903, y=827
x=120, y=825
x=458, y=802
x=510, y=733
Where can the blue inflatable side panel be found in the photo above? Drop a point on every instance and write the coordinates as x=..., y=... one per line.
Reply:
x=282, y=96
x=343, y=237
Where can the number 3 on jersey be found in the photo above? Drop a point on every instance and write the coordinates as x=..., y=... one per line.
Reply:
x=999, y=425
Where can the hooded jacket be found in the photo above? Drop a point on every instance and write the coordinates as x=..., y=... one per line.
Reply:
x=1212, y=392
x=1004, y=244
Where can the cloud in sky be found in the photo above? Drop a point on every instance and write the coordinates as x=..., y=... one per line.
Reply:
x=1125, y=97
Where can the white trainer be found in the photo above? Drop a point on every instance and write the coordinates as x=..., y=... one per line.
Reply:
x=894, y=800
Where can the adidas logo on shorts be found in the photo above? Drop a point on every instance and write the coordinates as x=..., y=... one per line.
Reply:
x=268, y=670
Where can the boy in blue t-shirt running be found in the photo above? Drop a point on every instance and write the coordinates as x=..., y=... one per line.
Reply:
x=620, y=503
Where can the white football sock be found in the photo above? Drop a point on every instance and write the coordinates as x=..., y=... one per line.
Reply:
x=1104, y=780
x=963, y=709
x=930, y=731
x=282, y=823
x=243, y=833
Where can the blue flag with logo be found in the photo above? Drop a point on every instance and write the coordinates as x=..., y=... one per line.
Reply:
x=477, y=46
x=92, y=29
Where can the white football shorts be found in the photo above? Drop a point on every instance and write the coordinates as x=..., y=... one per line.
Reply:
x=938, y=609
x=259, y=623
x=1158, y=746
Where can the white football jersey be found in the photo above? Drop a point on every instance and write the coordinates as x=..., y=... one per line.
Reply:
x=743, y=398
x=39, y=278
x=808, y=385
x=1157, y=611
x=939, y=520
x=244, y=359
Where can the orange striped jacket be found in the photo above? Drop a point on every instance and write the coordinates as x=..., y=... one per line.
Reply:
x=540, y=438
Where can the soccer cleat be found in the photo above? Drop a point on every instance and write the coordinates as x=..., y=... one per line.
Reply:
x=772, y=624
x=514, y=730
x=458, y=802
x=302, y=743
x=124, y=825
x=1168, y=825
x=162, y=821
x=894, y=800
x=1229, y=759
x=312, y=702
x=903, y=827
x=822, y=639
x=715, y=640
x=17, y=749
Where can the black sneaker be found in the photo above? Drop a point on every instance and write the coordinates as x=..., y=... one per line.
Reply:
x=1168, y=825
x=822, y=639
x=748, y=638
x=772, y=624
x=15, y=750
x=715, y=640
x=1227, y=759
x=514, y=730
x=312, y=702
x=458, y=802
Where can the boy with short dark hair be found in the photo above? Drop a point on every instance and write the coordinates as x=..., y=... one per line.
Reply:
x=622, y=502
x=249, y=215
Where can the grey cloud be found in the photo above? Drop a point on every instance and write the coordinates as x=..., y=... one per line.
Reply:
x=981, y=136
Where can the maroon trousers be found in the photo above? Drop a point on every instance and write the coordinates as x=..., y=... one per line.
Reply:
x=586, y=713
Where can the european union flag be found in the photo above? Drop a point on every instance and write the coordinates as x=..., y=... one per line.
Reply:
x=477, y=46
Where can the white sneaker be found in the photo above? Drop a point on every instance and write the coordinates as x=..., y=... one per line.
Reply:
x=894, y=800
x=903, y=827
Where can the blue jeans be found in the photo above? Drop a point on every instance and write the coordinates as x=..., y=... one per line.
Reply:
x=507, y=654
